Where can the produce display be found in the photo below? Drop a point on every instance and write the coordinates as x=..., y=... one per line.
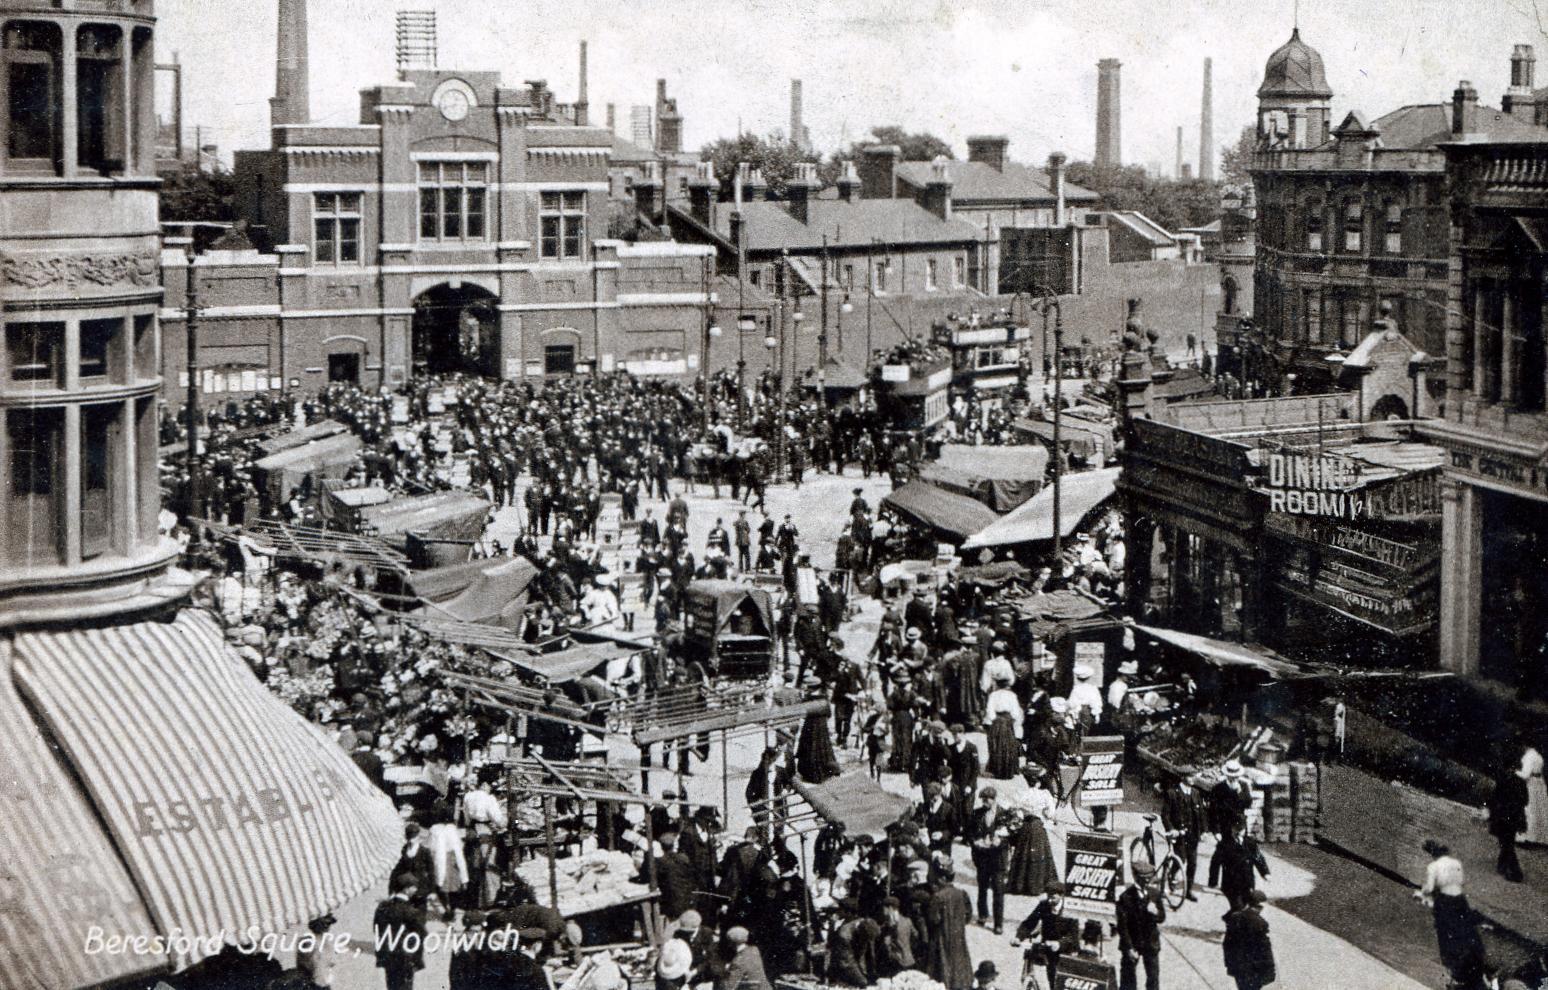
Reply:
x=1191, y=743
x=909, y=979
x=589, y=882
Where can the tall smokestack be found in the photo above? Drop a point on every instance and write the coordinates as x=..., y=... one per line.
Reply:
x=1109, y=150
x=1177, y=170
x=581, y=108
x=797, y=128
x=1207, y=125
x=612, y=117
x=290, y=104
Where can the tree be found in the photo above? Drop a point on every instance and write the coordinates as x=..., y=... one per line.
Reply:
x=189, y=194
x=920, y=147
x=1237, y=159
x=774, y=155
x=1172, y=203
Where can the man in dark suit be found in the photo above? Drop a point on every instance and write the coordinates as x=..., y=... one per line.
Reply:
x=1183, y=817
x=962, y=758
x=675, y=877
x=650, y=530
x=1229, y=800
x=1051, y=931
x=736, y=870
x=938, y=819
x=697, y=844
x=1140, y=913
x=416, y=861
x=987, y=832
x=1235, y=867
x=400, y=934
x=1249, y=955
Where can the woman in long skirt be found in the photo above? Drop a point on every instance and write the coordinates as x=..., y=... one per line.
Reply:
x=1537, y=797
x=902, y=705
x=1031, y=859
x=815, y=759
x=1003, y=727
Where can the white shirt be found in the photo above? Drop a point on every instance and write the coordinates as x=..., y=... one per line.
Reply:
x=1086, y=695
x=1037, y=801
x=996, y=669
x=1115, y=692
x=1443, y=876
x=479, y=807
x=1003, y=701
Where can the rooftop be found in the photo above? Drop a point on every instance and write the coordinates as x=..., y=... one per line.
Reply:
x=1145, y=227
x=973, y=181
x=1423, y=126
x=1295, y=70
x=770, y=227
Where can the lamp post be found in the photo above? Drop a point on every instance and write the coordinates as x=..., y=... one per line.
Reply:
x=191, y=345
x=1058, y=531
x=745, y=324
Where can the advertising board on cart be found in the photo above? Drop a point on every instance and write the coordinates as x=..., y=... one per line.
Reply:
x=1101, y=771
x=1079, y=973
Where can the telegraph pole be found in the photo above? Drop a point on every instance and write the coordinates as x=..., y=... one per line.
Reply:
x=1058, y=451
x=822, y=332
x=704, y=353
x=781, y=382
x=191, y=345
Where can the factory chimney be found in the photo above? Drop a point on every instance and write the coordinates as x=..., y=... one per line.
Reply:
x=290, y=104
x=797, y=128
x=1109, y=150
x=1207, y=125
x=612, y=117
x=1177, y=170
x=582, y=110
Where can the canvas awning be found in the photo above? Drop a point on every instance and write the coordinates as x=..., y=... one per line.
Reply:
x=228, y=809
x=1001, y=477
x=950, y=514
x=302, y=437
x=441, y=516
x=1079, y=436
x=563, y=666
x=1032, y=521
x=857, y=802
x=1223, y=653
x=330, y=457
x=494, y=595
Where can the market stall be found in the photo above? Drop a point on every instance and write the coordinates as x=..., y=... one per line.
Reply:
x=1080, y=494
x=435, y=530
x=1001, y=477
x=729, y=627
x=945, y=514
x=495, y=595
x=329, y=457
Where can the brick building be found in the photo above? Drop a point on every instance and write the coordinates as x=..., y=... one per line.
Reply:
x=1351, y=222
x=1495, y=421
x=459, y=225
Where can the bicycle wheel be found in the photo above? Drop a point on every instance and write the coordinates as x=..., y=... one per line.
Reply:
x=1081, y=811
x=1142, y=846
x=1174, y=882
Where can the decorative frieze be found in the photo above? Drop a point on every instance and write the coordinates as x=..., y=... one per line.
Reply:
x=73, y=271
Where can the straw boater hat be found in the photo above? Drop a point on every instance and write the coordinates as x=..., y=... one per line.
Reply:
x=1129, y=667
x=1082, y=672
x=913, y=633
x=675, y=961
x=1233, y=769
x=1059, y=704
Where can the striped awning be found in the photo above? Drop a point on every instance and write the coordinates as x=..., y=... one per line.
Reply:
x=229, y=809
x=59, y=873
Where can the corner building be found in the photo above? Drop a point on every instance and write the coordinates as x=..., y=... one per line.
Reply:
x=79, y=373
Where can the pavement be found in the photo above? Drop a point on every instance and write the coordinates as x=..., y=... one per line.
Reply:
x=1309, y=956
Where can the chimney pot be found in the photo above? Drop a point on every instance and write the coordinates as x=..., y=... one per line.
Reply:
x=878, y=171
x=990, y=149
x=1464, y=109
x=1056, y=162
x=848, y=181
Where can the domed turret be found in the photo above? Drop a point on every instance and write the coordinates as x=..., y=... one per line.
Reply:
x=1293, y=99
x=1295, y=70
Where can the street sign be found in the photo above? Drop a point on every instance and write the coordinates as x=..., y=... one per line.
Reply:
x=1093, y=872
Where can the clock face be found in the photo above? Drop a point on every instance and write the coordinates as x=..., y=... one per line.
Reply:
x=453, y=104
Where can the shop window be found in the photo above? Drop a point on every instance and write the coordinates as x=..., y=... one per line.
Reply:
x=1354, y=225
x=562, y=220
x=100, y=344
x=559, y=359
x=453, y=201
x=32, y=94
x=1314, y=225
x=99, y=98
x=35, y=465
x=336, y=228
x=33, y=353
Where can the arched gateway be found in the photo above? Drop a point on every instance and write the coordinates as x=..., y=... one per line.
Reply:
x=456, y=329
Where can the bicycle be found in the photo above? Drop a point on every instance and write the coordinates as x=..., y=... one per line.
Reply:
x=1171, y=874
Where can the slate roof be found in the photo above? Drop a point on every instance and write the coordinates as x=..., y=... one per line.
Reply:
x=1145, y=227
x=627, y=151
x=973, y=181
x=1422, y=126
x=1295, y=69
x=770, y=226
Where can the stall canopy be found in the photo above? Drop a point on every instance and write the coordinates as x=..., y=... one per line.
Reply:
x=712, y=604
x=439, y=584
x=494, y=595
x=300, y=438
x=1223, y=653
x=1078, y=436
x=1000, y=477
x=1032, y=521
x=329, y=457
x=563, y=666
x=440, y=516
x=995, y=574
x=951, y=515
x=857, y=802
x=226, y=807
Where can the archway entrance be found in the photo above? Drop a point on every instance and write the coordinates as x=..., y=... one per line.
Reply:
x=456, y=330
x=1388, y=407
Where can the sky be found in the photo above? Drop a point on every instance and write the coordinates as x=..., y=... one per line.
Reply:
x=1022, y=68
